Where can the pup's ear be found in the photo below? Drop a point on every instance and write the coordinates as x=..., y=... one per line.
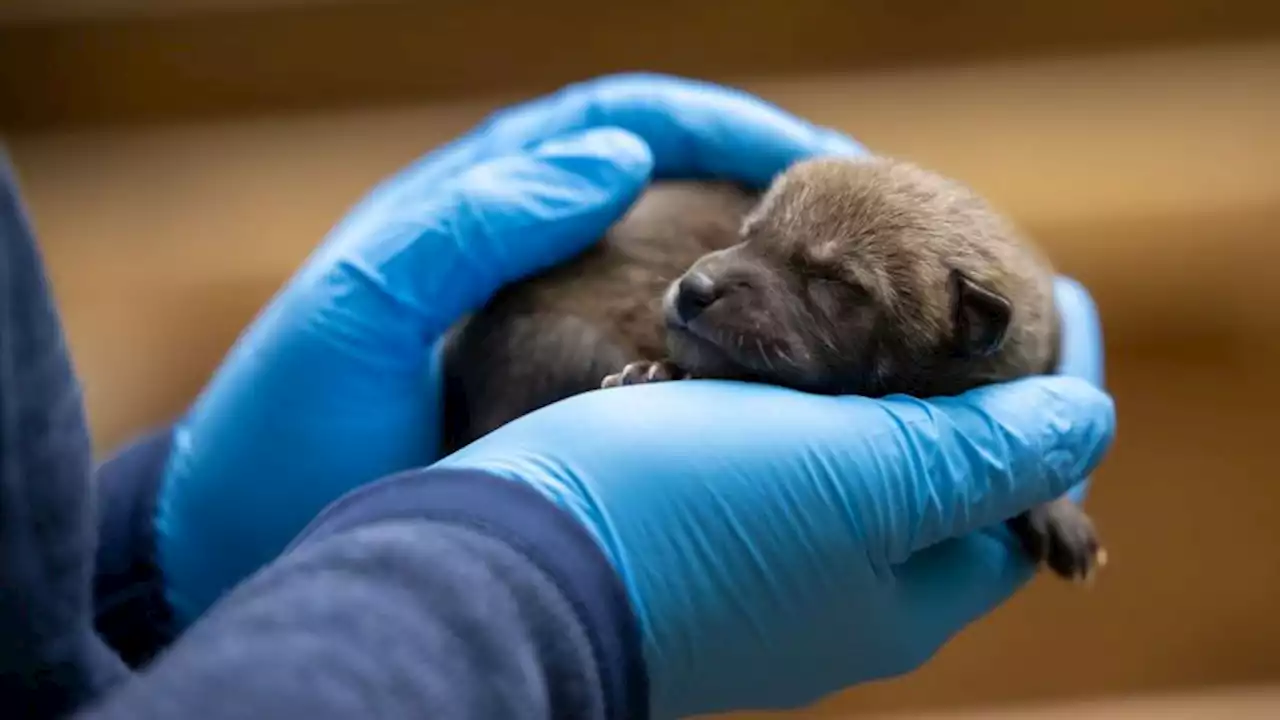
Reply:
x=981, y=317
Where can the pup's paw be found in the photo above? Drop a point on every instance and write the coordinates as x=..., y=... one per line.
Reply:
x=1063, y=537
x=645, y=371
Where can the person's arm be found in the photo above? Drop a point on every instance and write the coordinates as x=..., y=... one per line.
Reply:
x=436, y=592
x=51, y=661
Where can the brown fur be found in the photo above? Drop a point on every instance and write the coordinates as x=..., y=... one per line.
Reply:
x=868, y=277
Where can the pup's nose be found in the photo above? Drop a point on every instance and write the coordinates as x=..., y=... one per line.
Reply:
x=696, y=293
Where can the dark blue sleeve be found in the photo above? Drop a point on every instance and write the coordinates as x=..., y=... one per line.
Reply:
x=128, y=590
x=432, y=593
x=51, y=661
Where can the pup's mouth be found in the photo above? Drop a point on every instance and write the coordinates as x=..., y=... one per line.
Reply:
x=694, y=349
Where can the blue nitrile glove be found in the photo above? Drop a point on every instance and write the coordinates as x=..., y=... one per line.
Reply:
x=778, y=546
x=332, y=386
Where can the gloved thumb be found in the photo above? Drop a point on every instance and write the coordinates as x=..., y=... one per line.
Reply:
x=997, y=451
x=443, y=254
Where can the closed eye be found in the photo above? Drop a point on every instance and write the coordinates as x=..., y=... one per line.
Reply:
x=835, y=297
x=823, y=279
x=839, y=285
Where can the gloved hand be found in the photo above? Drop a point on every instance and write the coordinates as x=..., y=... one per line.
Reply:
x=334, y=384
x=778, y=546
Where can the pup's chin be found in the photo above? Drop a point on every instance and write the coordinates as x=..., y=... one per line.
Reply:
x=700, y=357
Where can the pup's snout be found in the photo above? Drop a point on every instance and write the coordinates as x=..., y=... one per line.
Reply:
x=695, y=293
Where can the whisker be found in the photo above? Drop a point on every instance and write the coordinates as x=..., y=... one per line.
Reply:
x=785, y=356
x=764, y=355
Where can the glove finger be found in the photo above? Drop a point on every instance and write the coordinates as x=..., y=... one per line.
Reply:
x=1082, y=346
x=985, y=456
x=695, y=129
x=431, y=261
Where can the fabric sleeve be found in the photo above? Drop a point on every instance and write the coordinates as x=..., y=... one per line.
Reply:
x=433, y=593
x=130, y=612
x=50, y=659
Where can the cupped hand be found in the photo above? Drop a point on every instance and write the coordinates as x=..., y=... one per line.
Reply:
x=333, y=385
x=778, y=546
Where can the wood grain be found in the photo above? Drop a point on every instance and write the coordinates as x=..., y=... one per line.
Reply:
x=1243, y=703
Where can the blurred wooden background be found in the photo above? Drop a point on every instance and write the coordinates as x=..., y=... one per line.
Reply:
x=180, y=164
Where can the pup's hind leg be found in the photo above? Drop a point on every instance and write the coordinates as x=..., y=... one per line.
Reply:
x=1061, y=535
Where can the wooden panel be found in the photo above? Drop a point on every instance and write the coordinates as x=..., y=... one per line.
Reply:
x=1247, y=703
x=185, y=65
x=52, y=11
x=1151, y=178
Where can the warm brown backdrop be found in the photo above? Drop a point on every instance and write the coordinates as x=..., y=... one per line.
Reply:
x=131, y=60
x=1152, y=176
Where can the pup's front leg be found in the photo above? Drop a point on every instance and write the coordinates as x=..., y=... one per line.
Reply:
x=644, y=371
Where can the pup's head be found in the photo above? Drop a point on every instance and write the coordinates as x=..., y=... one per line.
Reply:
x=869, y=277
